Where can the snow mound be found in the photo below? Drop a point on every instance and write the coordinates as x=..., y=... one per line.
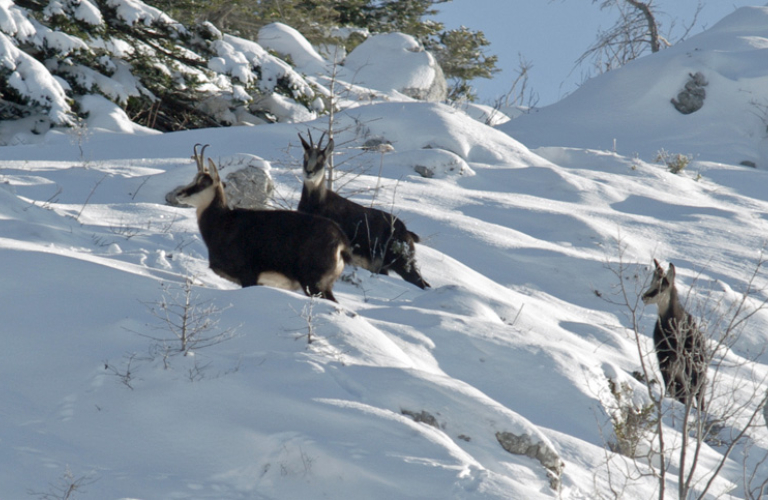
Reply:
x=287, y=41
x=395, y=61
x=442, y=127
x=431, y=163
x=105, y=115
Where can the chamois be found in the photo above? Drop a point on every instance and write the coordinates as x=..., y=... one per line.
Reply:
x=680, y=345
x=279, y=248
x=380, y=241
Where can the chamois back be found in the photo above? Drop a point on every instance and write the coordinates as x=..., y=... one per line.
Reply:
x=279, y=248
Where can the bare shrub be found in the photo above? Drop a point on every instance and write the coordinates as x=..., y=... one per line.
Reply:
x=734, y=389
x=185, y=323
x=675, y=163
x=66, y=487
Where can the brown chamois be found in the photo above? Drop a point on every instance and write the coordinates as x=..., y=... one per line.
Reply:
x=380, y=241
x=680, y=345
x=279, y=248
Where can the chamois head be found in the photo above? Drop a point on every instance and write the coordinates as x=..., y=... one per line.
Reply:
x=315, y=158
x=206, y=185
x=661, y=285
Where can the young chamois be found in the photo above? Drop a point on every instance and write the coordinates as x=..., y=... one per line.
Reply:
x=279, y=248
x=680, y=345
x=380, y=241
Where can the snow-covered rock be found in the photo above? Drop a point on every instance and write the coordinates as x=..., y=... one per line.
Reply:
x=396, y=61
x=248, y=183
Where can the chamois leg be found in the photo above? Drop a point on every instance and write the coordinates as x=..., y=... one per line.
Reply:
x=678, y=391
x=697, y=389
x=674, y=384
x=684, y=387
x=402, y=255
x=700, y=403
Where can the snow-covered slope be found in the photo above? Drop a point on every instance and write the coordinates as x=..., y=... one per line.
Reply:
x=402, y=393
x=629, y=110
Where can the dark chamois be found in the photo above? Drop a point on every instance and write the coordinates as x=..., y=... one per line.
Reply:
x=380, y=241
x=279, y=248
x=680, y=345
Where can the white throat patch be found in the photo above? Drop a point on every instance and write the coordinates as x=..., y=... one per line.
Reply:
x=200, y=200
x=315, y=180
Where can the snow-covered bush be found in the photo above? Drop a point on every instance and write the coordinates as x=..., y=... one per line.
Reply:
x=675, y=163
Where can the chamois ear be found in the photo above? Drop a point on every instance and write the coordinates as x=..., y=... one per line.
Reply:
x=328, y=148
x=658, y=271
x=213, y=171
x=671, y=273
x=304, y=144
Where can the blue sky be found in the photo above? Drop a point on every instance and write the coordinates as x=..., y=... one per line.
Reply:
x=552, y=34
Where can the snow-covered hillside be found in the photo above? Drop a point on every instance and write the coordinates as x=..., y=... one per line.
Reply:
x=629, y=111
x=402, y=393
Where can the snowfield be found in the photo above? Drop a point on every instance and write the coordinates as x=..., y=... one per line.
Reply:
x=401, y=393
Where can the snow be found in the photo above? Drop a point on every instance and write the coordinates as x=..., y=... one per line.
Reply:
x=237, y=51
x=60, y=42
x=286, y=40
x=87, y=12
x=390, y=61
x=13, y=22
x=30, y=78
x=134, y=11
x=107, y=116
x=231, y=63
x=522, y=227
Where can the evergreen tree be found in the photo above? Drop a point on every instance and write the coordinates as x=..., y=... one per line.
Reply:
x=166, y=75
x=173, y=74
x=460, y=52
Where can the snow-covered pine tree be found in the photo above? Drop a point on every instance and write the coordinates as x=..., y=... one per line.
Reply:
x=461, y=52
x=164, y=74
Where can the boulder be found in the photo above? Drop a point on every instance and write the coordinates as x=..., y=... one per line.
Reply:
x=249, y=186
x=691, y=98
